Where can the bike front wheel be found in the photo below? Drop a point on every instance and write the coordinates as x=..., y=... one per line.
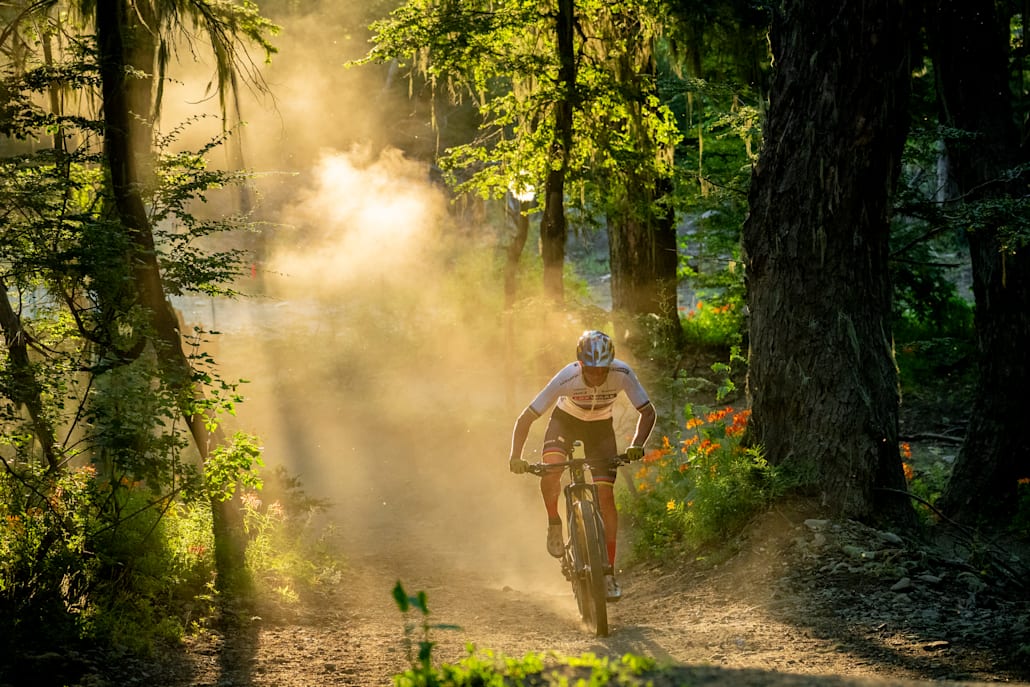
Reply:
x=590, y=559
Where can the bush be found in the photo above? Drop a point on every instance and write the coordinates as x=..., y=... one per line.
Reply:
x=700, y=486
x=718, y=322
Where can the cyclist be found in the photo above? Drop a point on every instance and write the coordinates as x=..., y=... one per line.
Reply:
x=584, y=392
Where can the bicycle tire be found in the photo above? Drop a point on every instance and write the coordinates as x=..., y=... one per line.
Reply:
x=588, y=579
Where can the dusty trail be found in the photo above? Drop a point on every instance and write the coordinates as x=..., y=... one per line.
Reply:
x=412, y=458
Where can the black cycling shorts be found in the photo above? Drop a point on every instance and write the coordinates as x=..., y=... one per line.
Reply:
x=598, y=437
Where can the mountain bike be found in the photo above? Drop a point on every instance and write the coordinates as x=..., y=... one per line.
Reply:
x=585, y=561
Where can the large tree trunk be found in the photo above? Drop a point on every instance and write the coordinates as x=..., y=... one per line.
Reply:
x=553, y=228
x=822, y=380
x=114, y=19
x=970, y=45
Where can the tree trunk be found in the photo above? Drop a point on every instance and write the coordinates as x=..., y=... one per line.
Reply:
x=516, y=213
x=822, y=379
x=553, y=227
x=113, y=24
x=970, y=42
x=24, y=388
x=644, y=260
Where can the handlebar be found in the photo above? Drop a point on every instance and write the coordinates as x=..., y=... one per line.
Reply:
x=589, y=463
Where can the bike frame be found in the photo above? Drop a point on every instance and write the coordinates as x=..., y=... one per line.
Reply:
x=585, y=562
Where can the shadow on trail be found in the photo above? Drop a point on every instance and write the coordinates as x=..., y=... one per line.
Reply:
x=238, y=650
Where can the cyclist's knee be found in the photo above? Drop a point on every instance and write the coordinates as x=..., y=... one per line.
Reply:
x=551, y=456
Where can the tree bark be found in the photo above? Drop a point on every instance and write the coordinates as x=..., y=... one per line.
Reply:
x=822, y=379
x=25, y=388
x=644, y=259
x=113, y=25
x=970, y=42
x=553, y=227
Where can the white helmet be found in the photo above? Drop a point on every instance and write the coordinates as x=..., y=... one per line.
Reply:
x=595, y=349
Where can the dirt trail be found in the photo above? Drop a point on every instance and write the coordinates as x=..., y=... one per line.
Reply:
x=414, y=465
x=764, y=617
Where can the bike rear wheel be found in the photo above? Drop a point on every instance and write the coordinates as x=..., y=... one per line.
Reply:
x=588, y=576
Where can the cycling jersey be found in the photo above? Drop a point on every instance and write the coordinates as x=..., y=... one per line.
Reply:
x=572, y=394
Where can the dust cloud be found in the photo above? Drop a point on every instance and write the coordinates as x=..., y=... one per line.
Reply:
x=377, y=361
x=382, y=370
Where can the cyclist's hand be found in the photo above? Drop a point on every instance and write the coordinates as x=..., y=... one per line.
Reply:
x=634, y=453
x=518, y=466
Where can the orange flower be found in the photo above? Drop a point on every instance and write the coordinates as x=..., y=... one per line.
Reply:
x=739, y=423
x=906, y=450
x=717, y=415
x=694, y=422
x=1023, y=480
x=707, y=446
x=909, y=474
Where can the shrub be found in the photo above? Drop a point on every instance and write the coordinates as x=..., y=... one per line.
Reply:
x=718, y=322
x=700, y=486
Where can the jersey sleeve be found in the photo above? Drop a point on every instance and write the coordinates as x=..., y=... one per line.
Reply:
x=554, y=389
x=634, y=390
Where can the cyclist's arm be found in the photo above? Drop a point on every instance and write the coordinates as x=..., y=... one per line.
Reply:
x=521, y=432
x=645, y=423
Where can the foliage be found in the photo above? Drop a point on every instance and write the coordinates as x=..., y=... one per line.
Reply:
x=231, y=465
x=45, y=570
x=926, y=474
x=111, y=541
x=422, y=672
x=291, y=553
x=701, y=486
x=715, y=323
x=487, y=668
x=503, y=58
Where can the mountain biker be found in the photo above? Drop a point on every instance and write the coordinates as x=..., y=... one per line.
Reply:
x=584, y=392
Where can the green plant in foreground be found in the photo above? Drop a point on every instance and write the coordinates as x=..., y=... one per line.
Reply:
x=485, y=668
x=422, y=672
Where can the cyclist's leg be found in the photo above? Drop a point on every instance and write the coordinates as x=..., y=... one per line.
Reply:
x=601, y=442
x=610, y=516
x=557, y=440
x=554, y=451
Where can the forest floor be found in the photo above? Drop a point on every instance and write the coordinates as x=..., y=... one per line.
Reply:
x=417, y=473
x=796, y=599
x=799, y=600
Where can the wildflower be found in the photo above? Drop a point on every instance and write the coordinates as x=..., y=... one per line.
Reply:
x=909, y=473
x=694, y=422
x=1023, y=480
x=670, y=505
x=906, y=450
x=739, y=423
x=707, y=446
x=717, y=415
